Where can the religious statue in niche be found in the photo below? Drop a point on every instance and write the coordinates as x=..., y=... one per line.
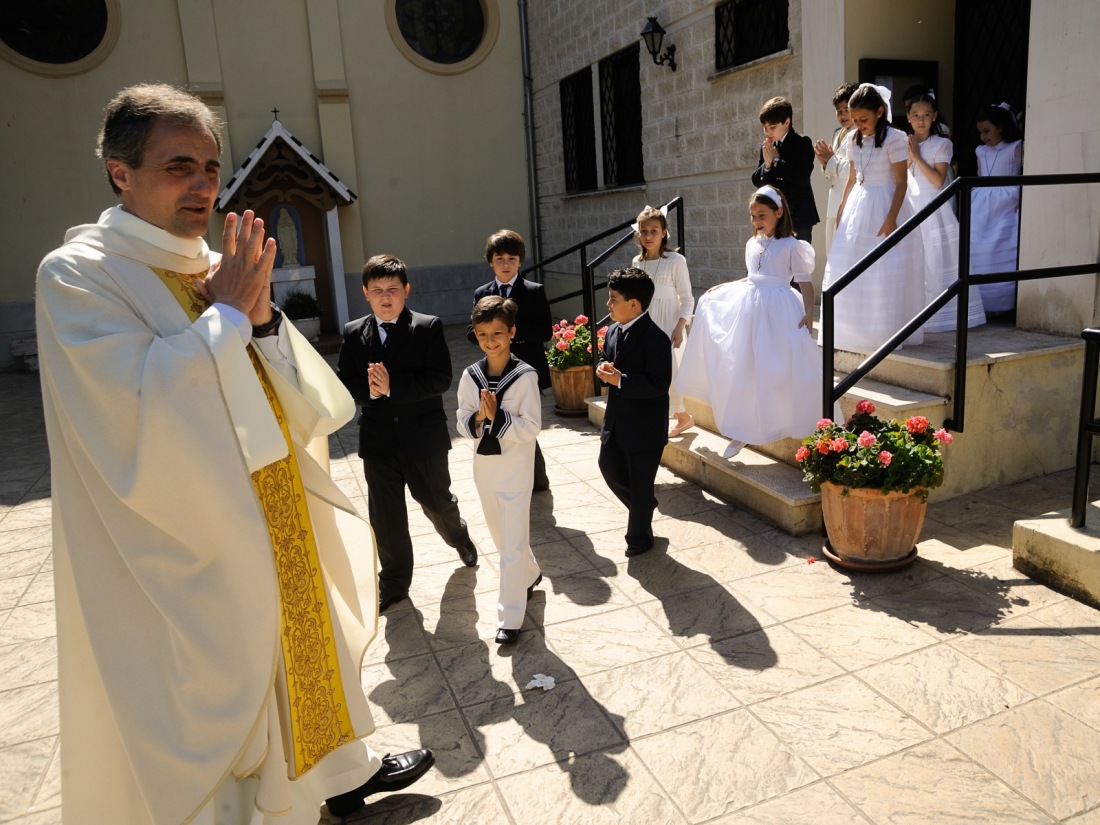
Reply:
x=286, y=234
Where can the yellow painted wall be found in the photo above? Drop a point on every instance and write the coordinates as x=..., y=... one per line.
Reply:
x=48, y=126
x=439, y=160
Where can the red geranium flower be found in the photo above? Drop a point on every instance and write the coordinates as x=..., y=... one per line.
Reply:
x=865, y=406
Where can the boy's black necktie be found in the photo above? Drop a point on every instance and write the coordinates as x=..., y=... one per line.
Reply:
x=505, y=290
x=388, y=326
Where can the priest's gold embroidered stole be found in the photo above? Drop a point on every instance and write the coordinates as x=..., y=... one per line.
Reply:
x=319, y=717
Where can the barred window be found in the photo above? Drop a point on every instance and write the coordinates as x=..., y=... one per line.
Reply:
x=746, y=30
x=621, y=118
x=578, y=131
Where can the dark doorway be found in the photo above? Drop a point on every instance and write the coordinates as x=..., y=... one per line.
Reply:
x=991, y=42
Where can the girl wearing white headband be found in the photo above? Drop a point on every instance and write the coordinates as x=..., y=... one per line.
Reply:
x=751, y=354
x=672, y=302
x=887, y=296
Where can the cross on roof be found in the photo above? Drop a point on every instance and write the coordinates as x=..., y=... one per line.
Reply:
x=276, y=113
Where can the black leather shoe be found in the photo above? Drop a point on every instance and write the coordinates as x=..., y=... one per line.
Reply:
x=637, y=549
x=468, y=553
x=390, y=600
x=507, y=637
x=531, y=589
x=397, y=772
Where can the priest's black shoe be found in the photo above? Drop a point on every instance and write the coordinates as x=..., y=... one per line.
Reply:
x=507, y=637
x=637, y=549
x=468, y=553
x=397, y=772
x=390, y=599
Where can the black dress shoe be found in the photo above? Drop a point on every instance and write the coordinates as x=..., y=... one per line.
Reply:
x=390, y=600
x=637, y=549
x=468, y=553
x=397, y=772
x=507, y=637
x=534, y=584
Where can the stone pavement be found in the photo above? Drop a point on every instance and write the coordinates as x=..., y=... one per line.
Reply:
x=723, y=678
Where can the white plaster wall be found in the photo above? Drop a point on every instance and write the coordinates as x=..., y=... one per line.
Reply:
x=1061, y=226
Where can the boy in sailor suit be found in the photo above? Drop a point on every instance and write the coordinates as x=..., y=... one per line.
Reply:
x=499, y=406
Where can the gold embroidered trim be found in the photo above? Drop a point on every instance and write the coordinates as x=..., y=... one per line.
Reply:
x=319, y=717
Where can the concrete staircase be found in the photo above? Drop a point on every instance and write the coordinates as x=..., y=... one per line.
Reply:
x=1021, y=418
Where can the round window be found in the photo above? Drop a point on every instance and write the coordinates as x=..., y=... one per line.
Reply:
x=443, y=31
x=443, y=36
x=57, y=37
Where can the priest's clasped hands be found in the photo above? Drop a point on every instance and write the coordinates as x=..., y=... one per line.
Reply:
x=242, y=279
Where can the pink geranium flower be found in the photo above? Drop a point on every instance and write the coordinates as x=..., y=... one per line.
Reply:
x=557, y=327
x=865, y=406
x=824, y=422
x=916, y=424
x=802, y=454
x=569, y=335
x=823, y=447
x=601, y=332
x=581, y=319
x=865, y=439
x=885, y=457
x=589, y=349
x=838, y=444
x=943, y=436
x=563, y=345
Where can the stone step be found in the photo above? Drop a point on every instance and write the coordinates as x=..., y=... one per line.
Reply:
x=769, y=488
x=890, y=402
x=1049, y=550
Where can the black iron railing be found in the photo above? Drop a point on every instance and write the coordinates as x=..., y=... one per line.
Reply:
x=1087, y=428
x=587, y=271
x=832, y=392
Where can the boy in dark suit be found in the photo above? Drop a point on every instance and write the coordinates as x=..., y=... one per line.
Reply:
x=395, y=362
x=637, y=367
x=787, y=163
x=505, y=251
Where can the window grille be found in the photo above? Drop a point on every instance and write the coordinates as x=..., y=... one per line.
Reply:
x=747, y=30
x=578, y=131
x=621, y=118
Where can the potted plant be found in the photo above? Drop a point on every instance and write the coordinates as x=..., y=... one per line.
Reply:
x=302, y=308
x=570, y=358
x=874, y=477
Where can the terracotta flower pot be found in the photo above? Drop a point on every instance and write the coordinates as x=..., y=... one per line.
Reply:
x=571, y=387
x=871, y=530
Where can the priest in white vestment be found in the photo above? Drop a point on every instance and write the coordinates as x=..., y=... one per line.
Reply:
x=216, y=591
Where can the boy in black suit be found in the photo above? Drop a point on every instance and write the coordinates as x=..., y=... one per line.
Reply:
x=395, y=362
x=505, y=251
x=787, y=163
x=637, y=367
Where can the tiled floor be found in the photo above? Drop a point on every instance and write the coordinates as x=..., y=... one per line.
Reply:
x=722, y=678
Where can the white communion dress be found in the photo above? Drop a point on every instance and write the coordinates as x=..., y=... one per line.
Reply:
x=940, y=237
x=747, y=356
x=672, y=300
x=889, y=294
x=995, y=223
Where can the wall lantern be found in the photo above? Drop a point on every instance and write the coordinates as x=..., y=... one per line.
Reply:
x=654, y=35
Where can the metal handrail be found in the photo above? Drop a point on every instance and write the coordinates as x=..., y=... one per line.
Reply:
x=960, y=288
x=588, y=289
x=1087, y=428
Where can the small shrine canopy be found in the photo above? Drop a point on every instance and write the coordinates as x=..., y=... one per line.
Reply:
x=281, y=163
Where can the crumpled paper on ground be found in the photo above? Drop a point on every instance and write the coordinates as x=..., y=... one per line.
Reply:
x=541, y=680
